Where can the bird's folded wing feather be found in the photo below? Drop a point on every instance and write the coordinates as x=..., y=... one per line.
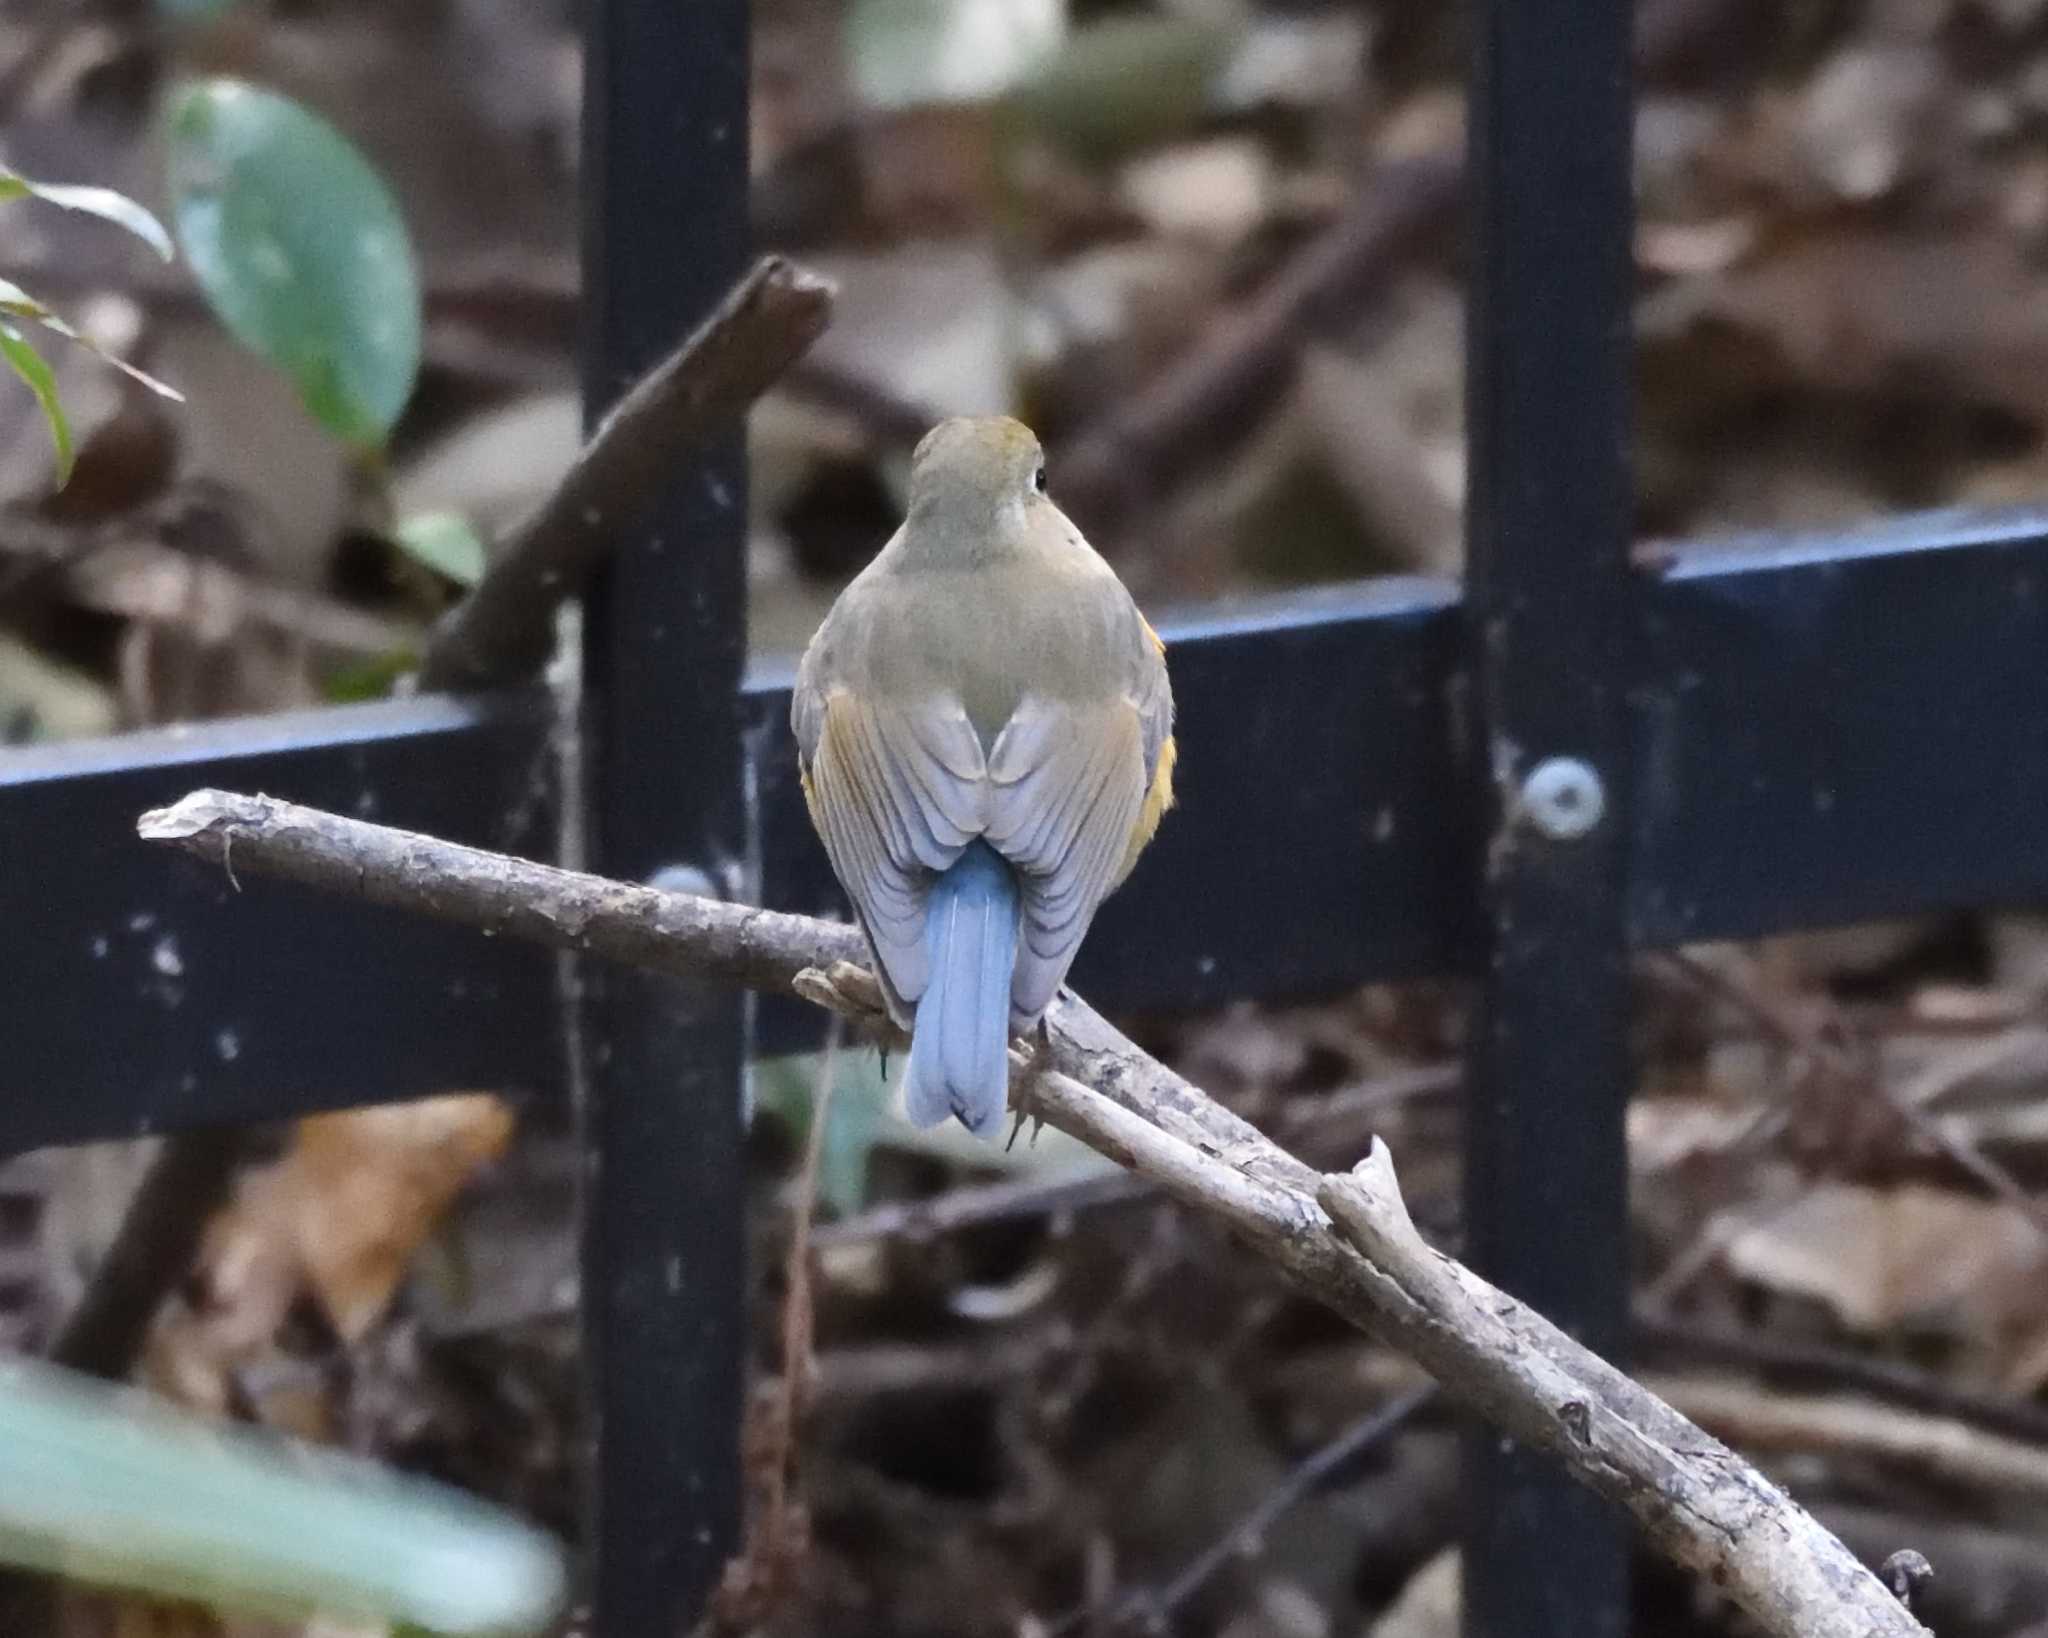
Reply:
x=896, y=793
x=1066, y=786
x=1153, y=693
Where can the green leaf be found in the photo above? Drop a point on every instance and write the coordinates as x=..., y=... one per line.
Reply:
x=111, y=1486
x=104, y=203
x=1125, y=83
x=787, y=1088
x=18, y=303
x=446, y=543
x=353, y=683
x=27, y=363
x=300, y=250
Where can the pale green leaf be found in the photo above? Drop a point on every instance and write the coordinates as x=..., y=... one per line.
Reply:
x=1125, y=83
x=18, y=303
x=787, y=1087
x=109, y=1486
x=300, y=249
x=104, y=203
x=372, y=678
x=27, y=363
x=446, y=543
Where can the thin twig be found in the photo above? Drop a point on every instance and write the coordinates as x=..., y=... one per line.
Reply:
x=755, y=1577
x=1838, y=1368
x=1835, y=1426
x=157, y=1241
x=504, y=630
x=974, y=1204
x=1346, y=1240
x=798, y=1312
x=1153, y=1608
x=1788, y=1031
x=1176, y=424
x=1994, y=1580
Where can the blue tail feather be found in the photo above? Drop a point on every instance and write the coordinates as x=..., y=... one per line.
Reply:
x=960, y=1043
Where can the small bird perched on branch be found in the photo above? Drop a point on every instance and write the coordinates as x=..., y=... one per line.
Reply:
x=985, y=732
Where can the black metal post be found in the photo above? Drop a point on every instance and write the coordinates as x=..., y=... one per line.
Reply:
x=1551, y=617
x=665, y=232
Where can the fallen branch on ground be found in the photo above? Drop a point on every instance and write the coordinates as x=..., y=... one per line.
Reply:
x=1846, y=1428
x=1346, y=1240
x=1176, y=424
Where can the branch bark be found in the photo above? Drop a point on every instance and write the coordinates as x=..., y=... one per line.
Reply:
x=504, y=630
x=1346, y=1240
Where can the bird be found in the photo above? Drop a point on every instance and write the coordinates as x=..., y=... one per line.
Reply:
x=985, y=741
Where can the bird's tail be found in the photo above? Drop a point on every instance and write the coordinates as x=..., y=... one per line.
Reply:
x=960, y=1044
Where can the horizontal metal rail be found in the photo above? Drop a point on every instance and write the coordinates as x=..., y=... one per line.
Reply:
x=143, y=995
x=1833, y=729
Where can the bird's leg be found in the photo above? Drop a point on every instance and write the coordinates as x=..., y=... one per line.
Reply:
x=1025, y=1050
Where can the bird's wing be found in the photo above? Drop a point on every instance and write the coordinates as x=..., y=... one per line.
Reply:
x=1066, y=784
x=896, y=792
x=1154, y=696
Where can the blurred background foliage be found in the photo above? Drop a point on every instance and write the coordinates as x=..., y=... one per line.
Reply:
x=1047, y=206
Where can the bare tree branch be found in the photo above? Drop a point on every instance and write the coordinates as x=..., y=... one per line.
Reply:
x=503, y=630
x=157, y=1242
x=501, y=633
x=1346, y=1240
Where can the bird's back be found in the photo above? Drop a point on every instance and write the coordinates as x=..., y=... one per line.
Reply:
x=986, y=634
x=984, y=727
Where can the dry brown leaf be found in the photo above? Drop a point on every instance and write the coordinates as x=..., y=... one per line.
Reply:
x=340, y=1215
x=362, y=1191
x=1912, y=1257
x=246, y=1283
x=1666, y=1133
x=1854, y=308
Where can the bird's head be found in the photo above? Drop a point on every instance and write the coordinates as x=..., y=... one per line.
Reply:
x=976, y=470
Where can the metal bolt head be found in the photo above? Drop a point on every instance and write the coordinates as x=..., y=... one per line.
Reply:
x=1563, y=798
x=682, y=878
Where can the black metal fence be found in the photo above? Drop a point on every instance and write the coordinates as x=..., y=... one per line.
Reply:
x=1575, y=758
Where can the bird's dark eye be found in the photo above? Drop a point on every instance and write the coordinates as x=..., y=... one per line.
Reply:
x=1038, y=479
